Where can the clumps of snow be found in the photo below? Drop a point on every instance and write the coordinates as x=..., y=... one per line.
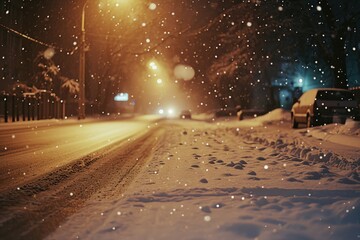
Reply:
x=304, y=154
x=275, y=115
x=350, y=127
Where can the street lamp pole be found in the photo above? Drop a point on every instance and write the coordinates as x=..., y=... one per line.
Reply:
x=81, y=102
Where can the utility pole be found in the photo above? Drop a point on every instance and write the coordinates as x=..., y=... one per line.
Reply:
x=81, y=102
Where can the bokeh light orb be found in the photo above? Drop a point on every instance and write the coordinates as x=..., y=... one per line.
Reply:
x=184, y=72
x=152, y=6
x=49, y=53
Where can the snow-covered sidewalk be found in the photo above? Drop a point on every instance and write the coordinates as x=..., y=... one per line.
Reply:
x=230, y=180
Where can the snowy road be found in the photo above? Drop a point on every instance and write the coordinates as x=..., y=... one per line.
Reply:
x=183, y=180
x=49, y=171
x=30, y=150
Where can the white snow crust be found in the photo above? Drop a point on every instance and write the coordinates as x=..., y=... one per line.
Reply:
x=229, y=179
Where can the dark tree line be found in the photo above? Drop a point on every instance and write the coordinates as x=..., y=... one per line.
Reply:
x=257, y=38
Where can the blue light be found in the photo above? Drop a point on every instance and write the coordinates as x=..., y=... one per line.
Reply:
x=122, y=97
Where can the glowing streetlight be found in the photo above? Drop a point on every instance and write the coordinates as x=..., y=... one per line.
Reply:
x=153, y=66
x=159, y=81
x=83, y=49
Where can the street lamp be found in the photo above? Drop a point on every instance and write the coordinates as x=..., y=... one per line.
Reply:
x=81, y=102
x=82, y=50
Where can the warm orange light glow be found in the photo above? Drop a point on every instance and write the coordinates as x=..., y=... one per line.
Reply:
x=120, y=2
x=153, y=66
x=116, y=3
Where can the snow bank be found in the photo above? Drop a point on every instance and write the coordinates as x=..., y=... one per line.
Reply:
x=345, y=134
x=275, y=115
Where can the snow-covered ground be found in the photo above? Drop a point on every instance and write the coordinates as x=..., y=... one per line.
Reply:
x=229, y=179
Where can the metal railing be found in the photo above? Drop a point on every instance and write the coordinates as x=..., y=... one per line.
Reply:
x=31, y=106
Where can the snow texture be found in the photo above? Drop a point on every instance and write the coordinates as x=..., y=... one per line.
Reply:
x=229, y=179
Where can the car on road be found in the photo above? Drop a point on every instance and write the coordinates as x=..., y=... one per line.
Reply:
x=324, y=105
x=185, y=114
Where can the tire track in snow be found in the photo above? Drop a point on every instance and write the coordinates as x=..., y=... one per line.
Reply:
x=37, y=208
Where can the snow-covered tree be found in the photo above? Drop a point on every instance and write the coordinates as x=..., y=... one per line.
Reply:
x=45, y=72
x=69, y=87
x=47, y=76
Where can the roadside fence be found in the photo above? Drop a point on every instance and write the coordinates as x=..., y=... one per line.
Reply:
x=31, y=106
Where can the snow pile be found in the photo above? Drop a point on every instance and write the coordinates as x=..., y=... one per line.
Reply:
x=273, y=116
x=351, y=127
x=347, y=134
x=204, y=116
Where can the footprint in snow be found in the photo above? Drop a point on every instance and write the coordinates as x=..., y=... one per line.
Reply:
x=346, y=180
x=228, y=175
x=354, y=175
x=206, y=209
x=252, y=173
x=324, y=171
x=254, y=178
x=243, y=230
x=204, y=180
x=231, y=164
x=261, y=202
x=293, y=180
x=195, y=166
x=242, y=162
x=261, y=158
x=239, y=166
x=274, y=154
x=246, y=217
x=312, y=176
